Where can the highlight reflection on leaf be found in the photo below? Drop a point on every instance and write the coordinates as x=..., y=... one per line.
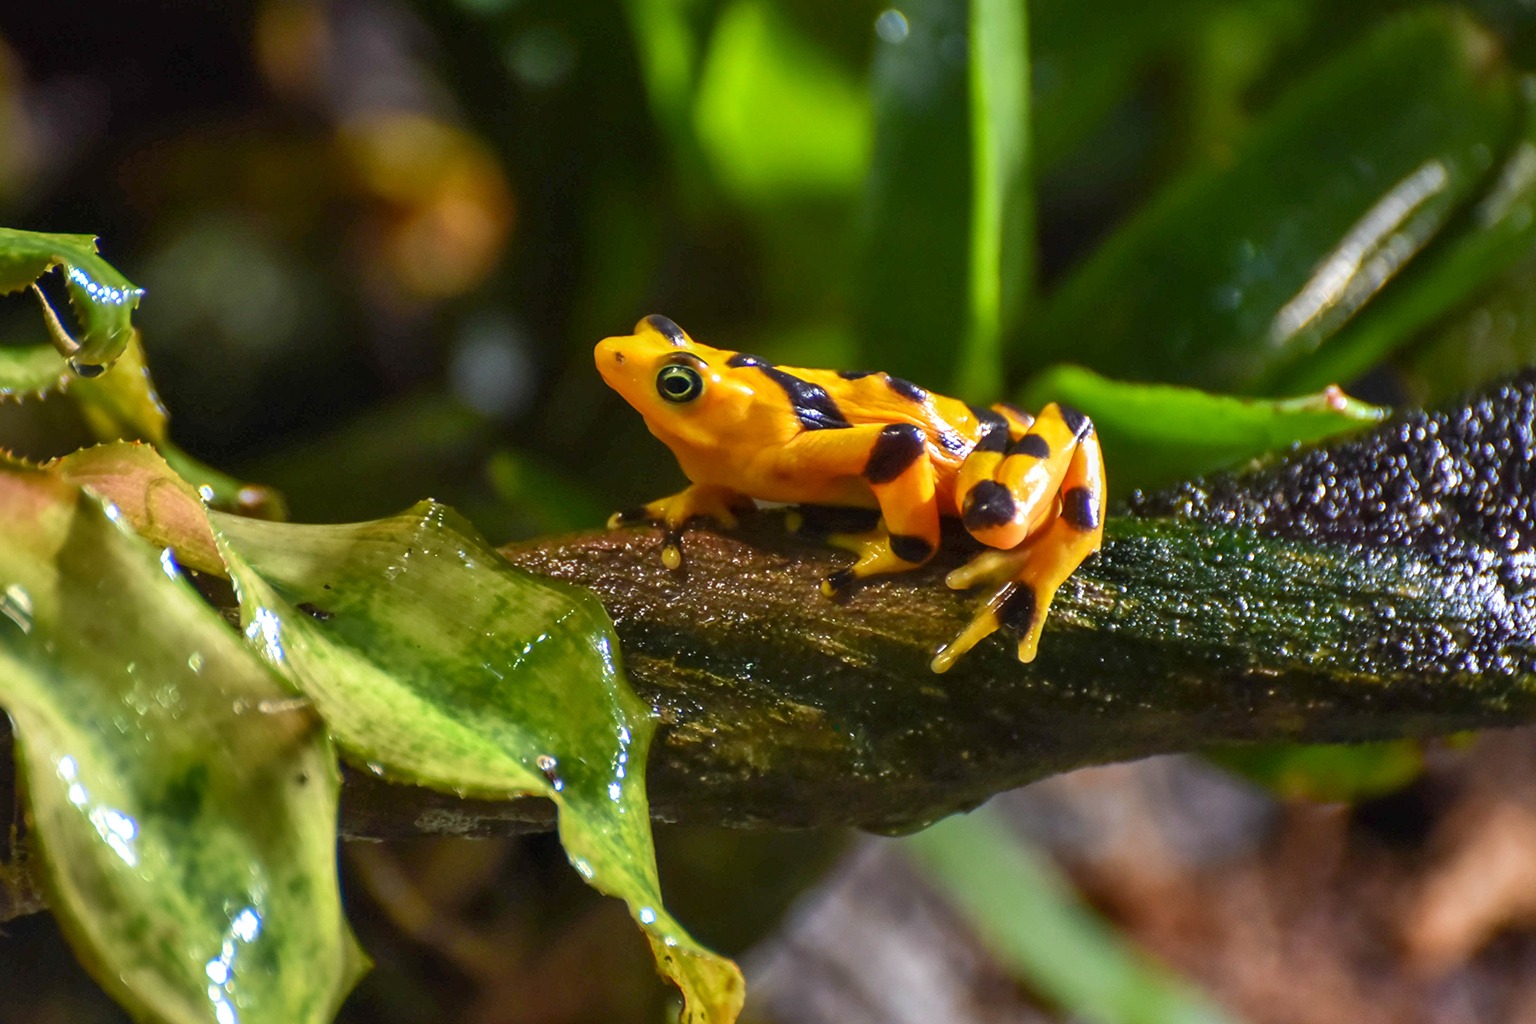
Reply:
x=185, y=808
x=434, y=661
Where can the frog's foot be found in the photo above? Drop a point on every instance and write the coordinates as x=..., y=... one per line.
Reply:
x=1024, y=581
x=706, y=501
x=880, y=552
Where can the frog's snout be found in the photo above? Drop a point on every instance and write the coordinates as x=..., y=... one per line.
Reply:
x=609, y=356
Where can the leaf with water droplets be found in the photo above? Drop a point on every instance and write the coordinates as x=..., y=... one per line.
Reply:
x=148, y=493
x=434, y=661
x=185, y=809
x=103, y=299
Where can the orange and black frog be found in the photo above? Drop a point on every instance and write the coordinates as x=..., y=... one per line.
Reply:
x=1030, y=488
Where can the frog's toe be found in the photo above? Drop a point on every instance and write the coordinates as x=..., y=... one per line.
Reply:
x=672, y=554
x=994, y=567
x=838, y=582
x=982, y=625
x=629, y=516
x=1012, y=607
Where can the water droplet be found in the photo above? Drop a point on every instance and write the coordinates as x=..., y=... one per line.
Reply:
x=168, y=563
x=892, y=26
x=16, y=605
x=87, y=370
x=647, y=915
x=195, y=661
x=547, y=764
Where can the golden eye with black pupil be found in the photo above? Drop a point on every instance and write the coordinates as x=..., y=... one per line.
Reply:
x=678, y=383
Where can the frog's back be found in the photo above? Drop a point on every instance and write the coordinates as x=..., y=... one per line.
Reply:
x=875, y=397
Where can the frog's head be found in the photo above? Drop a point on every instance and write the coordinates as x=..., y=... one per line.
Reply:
x=682, y=388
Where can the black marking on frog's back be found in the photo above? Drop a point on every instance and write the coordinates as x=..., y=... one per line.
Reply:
x=856, y=374
x=954, y=442
x=814, y=408
x=667, y=329
x=906, y=389
x=741, y=359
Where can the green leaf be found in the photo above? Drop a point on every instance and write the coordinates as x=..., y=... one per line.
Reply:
x=912, y=301
x=1088, y=57
x=667, y=49
x=1326, y=772
x=1002, y=213
x=1154, y=434
x=1235, y=277
x=122, y=402
x=552, y=501
x=774, y=115
x=183, y=802
x=31, y=371
x=1491, y=338
x=434, y=661
x=147, y=493
x=103, y=299
x=1494, y=235
x=1028, y=918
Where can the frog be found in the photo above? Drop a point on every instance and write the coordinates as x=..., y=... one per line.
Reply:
x=1029, y=488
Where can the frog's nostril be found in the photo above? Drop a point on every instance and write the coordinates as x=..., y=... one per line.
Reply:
x=618, y=357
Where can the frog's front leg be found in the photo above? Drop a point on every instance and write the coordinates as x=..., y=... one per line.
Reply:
x=1042, y=502
x=893, y=461
x=696, y=501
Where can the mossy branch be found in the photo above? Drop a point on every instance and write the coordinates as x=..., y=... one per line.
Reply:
x=1381, y=587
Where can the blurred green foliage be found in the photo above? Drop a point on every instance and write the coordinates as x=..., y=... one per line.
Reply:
x=379, y=240
x=1016, y=898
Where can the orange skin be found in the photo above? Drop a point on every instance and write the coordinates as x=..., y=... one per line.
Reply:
x=1032, y=489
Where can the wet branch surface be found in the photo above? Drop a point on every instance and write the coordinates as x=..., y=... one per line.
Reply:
x=1381, y=587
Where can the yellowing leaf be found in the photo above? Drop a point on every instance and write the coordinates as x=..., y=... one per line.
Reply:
x=184, y=802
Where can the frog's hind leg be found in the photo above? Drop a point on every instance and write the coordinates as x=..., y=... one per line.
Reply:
x=1051, y=545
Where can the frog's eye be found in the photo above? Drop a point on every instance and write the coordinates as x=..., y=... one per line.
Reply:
x=678, y=383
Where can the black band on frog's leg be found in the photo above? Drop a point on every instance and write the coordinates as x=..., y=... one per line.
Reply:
x=1080, y=509
x=988, y=504
x=1033, y=445
x=898, y=446
x=993, y=436
x=1076, y=421
x=839, y=581
x=1017, y=611
x=916, y=550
